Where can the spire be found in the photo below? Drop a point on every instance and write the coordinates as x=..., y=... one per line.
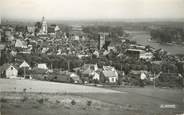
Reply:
x=43, y=18
x=44, y=26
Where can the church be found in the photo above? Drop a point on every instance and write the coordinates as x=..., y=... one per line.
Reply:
x=43, y=30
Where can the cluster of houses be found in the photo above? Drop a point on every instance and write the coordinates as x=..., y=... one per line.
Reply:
x=88, y=73
x=51, y=40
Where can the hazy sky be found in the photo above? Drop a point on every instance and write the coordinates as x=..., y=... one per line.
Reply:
x=91, y=9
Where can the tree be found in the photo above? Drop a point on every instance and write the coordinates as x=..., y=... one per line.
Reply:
x=38, y=26
x=169, y=68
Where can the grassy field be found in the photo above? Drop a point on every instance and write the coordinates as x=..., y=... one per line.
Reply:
x=69, y=99
x=15, y=85
x=63, y=104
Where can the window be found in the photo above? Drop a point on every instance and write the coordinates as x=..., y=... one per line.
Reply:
x=112, y=79
x=11, y=68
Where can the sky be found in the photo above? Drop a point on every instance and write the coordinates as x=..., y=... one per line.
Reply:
x=92, y=9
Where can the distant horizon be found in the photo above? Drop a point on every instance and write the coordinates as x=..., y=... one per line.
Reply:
x=129, y=10
x=4, y=19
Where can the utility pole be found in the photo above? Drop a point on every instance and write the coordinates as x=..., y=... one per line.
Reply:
x=68, y=63
x=24, y=72
x=154, y=80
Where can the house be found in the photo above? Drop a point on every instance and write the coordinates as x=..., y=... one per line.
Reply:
x=134, y=52
x=76, y=37
x=87, y=71
x=53, y=29
x=11, y=38
x=139, y=53
x=31, y=29
x=137, y=77
x=111, y=48
x=156, y=62
x=143, y=76
x=82, y=55
x=24, y=64
x=113, y=44
x=20, y=44
x=44, y=50
x=96, y=53
x=8, y=32
x=110, y=73
x=146, y=55
x=26, y=67
x=8, y=71
x=42, y=66
x=89, y=68
x=75, y=78
x=141, y=47
x=13, y=53
x=140, y=74
x=106, y=52
x=96, y=76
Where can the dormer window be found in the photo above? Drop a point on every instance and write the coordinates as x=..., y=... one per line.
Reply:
x=11, y=68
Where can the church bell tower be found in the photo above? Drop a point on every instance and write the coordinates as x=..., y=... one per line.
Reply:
x=44, y=26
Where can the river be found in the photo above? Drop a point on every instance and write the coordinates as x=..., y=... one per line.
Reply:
x=143, y=38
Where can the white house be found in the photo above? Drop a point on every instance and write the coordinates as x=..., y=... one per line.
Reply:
x=140, y=74
x=96, y=76
x=8, y=71
x=20, y=44
x=96, y=53
x=42, y=66
x=75, y=78
x=143, y=76
x=24, y=64
x=111, y=48
x=110, y=73
x=146, y=55
x=106, y=52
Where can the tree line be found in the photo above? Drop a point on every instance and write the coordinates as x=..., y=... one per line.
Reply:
x=168, y=34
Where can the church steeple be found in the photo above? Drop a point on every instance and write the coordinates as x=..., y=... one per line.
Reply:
x=44, y=26
x=43, y=18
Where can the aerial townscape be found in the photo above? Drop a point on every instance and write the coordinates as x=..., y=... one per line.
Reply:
x=91, y=57
x=84, y=54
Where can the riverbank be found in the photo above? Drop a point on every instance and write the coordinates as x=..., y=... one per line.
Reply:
x=144, y=38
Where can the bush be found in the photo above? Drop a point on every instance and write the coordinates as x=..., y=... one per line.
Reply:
x=89, y=103
x=73, y=102
x=35, y=106
x=24, y=90
x=40, y=101
x=169, y=80
x=3, y=100
x=46, y=99
x=24, y=99
x=57, y=101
